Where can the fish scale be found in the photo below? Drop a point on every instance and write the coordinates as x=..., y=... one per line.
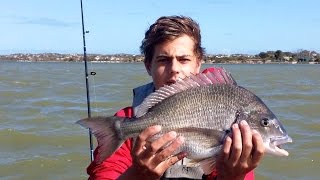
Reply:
x=186, y=109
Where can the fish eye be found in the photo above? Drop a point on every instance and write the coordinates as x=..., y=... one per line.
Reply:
x=265, y=122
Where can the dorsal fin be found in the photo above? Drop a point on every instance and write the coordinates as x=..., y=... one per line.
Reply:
x=217, y=76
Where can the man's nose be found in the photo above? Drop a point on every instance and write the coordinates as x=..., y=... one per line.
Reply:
x=175, y=66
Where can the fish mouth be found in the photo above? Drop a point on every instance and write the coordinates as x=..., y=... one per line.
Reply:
x=274, y=146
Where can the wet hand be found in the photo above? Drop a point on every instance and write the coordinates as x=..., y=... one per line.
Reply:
x=150, y=159
x=241, y=153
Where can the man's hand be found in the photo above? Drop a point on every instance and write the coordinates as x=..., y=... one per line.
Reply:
x=151, y=160
x=241, y=153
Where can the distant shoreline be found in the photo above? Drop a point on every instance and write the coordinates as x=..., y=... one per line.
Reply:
x=128, y=58
x=123, y=62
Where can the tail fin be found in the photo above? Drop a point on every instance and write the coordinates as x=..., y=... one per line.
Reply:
x=106, y=131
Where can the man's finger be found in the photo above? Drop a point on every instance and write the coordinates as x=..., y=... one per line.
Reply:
x=143, y=136
x=168, y=151
x=226, y=149
x=246, y=141
x=171, y=161
x=156, y=145
x=258, y=148
x=236, y=144
x=161, y=168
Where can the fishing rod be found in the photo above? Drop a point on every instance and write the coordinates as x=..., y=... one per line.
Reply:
x=87, y=76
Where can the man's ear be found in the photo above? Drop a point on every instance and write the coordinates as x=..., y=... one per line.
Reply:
x=148, y=67
x=199, y=66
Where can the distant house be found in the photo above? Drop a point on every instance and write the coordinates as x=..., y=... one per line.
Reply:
x=304, y=56
x=286, y=58
x=304, y=59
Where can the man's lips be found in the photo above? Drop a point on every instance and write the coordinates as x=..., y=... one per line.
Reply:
x=174, y=79
x=170, y=82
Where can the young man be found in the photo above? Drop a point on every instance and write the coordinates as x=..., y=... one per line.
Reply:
x=172, y=49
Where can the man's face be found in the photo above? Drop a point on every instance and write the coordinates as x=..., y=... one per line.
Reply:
x=173, y=60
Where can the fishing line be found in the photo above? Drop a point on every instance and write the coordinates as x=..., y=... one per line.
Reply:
x=93, y=73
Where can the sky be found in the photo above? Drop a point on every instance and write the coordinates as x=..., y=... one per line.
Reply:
x=118, y=26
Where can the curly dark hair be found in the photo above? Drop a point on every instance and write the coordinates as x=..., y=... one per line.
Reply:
x=168, y=28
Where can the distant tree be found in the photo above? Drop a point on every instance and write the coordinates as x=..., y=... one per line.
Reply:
x=90, y=58
x=288, y=54
x=270, y=54
x=278, y=54
x=317, y=58
x=241, y=58
x=263, y=55
x=294, y=57
x=306, y=54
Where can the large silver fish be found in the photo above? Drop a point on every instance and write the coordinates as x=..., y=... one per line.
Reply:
x=202, y=109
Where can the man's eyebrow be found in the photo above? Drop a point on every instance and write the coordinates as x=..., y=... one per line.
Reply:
x=185, y=55
x=166, y=56
x=162, y=55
